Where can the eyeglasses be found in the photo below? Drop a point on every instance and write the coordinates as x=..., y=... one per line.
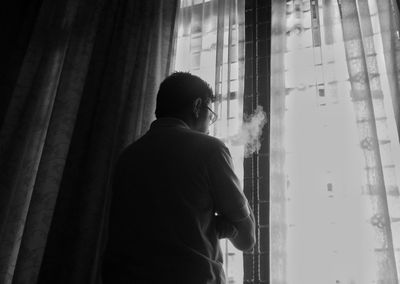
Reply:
x=213, y=116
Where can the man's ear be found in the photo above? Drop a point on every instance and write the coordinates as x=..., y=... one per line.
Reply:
x=196, y=107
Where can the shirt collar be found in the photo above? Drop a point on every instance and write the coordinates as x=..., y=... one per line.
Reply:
x=168, y=122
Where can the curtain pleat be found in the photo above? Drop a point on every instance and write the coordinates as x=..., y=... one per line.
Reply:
x=17, y=20
x=86, y=89
x=25, y=128
x=56, y=145
x=390, y=30
x=278, y=198
x=366, y=92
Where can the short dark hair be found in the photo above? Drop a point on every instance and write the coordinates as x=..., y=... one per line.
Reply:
x=178, y=91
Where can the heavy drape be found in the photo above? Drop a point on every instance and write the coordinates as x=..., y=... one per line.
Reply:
x=86, y=89
x=334, y=142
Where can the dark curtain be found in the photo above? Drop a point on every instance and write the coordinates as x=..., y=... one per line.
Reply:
x=85, y=89
x=16, y=19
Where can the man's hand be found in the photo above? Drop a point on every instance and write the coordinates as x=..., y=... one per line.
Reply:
x=225, y=229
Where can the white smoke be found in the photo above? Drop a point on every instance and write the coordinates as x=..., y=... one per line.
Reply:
x=251, y=131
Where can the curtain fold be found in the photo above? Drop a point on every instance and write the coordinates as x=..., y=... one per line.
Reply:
x=367, y=98
x=86, y=89
x=17, y=20
x=389, y=25
x=277, y=220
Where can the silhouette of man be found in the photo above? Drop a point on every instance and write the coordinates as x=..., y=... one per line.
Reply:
x=175, y=194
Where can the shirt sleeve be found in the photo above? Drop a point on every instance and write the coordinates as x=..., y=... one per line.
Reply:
x=229, y=199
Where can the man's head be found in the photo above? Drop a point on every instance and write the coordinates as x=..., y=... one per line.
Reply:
x=187, y=97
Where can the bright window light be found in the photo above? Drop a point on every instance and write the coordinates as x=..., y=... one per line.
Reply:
x=198, y=52
x=333, y=214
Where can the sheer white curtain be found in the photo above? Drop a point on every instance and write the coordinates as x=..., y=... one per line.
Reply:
x=335, y=155
x=210, y=44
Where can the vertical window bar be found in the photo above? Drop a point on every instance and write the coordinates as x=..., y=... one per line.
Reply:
x=219, y=58
x=191, y=33
x=228, y=95
x=255, y=155
x=202, y=31
x=256, y=263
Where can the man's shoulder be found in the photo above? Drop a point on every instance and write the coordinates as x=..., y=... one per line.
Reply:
x=209, y=142
x=177, y=139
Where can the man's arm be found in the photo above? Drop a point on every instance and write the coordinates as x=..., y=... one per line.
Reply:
x=230, y=202
x=241, y=233
x=225, y=229
x=245, y=238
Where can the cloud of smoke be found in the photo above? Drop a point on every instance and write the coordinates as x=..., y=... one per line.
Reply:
x=250, y=133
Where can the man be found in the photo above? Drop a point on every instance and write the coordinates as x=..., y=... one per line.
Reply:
x=174, y=195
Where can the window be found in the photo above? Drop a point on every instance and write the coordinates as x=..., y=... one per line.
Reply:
x=340, y=143
x=209, y=43
x=325, y=184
